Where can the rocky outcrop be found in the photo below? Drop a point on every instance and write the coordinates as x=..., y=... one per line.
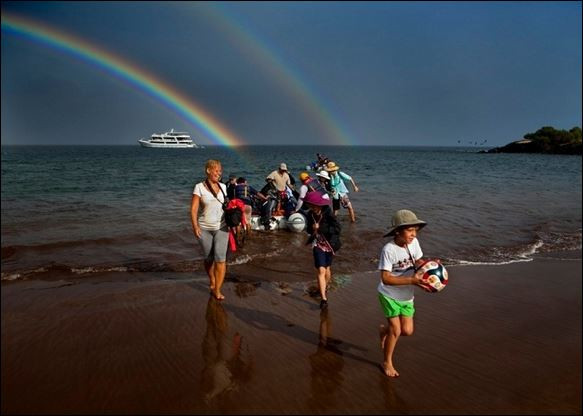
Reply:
x=546, y=140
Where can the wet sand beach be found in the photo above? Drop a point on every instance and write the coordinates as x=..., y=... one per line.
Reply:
x=498, y=340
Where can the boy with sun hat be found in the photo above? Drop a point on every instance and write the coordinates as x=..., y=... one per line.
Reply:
x=398, y=264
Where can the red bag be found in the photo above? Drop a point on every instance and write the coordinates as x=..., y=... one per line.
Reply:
x=232, y=242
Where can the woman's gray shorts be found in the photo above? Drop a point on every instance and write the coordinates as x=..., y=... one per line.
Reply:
x=214, y=244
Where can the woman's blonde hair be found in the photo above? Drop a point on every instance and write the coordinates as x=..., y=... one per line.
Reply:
x=211, y=164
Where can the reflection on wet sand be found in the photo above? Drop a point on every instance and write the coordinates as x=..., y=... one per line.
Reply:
x=227, y=361
x=392, y=400
x=326, y=367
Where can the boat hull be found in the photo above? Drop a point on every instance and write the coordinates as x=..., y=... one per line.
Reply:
x=145, y=143
x=295, y=223
x=277, y=222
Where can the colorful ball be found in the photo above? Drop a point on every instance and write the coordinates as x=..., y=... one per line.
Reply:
x=434, y=276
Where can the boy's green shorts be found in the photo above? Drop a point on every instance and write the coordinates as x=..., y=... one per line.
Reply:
x=393, y=308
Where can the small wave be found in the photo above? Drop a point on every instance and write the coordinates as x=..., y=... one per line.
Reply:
x=270, y=254
x=10, y=276
x=246, y=258
x=560, y=241
x=86, y=270
x=54, y=269
x=22, y=275
x=486, y=263
x=545, y=242
x=532, y=249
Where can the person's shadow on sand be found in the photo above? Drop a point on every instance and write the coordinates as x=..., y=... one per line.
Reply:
x=227, y=362
x=326, y=367
x=272, y=322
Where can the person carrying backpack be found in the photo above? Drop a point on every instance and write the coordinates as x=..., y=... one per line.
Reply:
x=324, y=230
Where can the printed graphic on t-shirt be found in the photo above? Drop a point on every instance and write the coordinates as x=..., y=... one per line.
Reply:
x=403, y=265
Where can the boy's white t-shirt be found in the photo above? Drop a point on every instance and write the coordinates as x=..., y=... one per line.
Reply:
x=396, y=260
x=210, y=214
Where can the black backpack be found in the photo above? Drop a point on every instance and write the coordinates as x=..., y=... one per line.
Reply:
x=232, y=216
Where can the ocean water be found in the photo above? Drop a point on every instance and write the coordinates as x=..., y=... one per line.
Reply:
x=79, y=210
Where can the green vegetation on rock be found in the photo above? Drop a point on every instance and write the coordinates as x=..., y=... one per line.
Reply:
x=545, y=140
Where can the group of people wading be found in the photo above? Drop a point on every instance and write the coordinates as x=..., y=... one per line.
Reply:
x=320, y=199
x=214, y=205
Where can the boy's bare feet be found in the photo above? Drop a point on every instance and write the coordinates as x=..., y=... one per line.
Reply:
x=383, y=336
x=389, y=370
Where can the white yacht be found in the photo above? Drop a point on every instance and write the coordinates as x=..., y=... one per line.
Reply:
x=175, y=139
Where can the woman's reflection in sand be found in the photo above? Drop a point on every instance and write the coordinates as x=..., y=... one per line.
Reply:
x=327, y=364
x=227, y=361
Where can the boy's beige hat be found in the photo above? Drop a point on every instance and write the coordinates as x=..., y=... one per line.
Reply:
x=402, y=218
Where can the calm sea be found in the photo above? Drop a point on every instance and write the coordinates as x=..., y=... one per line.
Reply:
x=84, y=209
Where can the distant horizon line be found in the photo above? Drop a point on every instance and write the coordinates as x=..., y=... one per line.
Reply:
x=262, y=145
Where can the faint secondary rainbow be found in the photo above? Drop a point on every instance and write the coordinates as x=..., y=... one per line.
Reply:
x=267, y=57
x=145, y=82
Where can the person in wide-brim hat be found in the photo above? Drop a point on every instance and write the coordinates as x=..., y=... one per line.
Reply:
x=317, y=199
x=324, y=180
x=404, y=218
x=399, y=264
x=339, y=189
x=324, y=230
x=332, y=167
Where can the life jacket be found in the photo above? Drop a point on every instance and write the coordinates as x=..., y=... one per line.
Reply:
x=242, y=192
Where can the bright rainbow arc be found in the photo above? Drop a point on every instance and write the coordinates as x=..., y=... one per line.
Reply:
x=267, y=57
x=138, y=78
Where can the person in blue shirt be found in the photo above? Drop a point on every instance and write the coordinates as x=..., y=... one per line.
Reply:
x=339, y=189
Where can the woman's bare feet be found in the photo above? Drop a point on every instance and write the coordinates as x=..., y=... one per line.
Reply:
x=219, y=296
